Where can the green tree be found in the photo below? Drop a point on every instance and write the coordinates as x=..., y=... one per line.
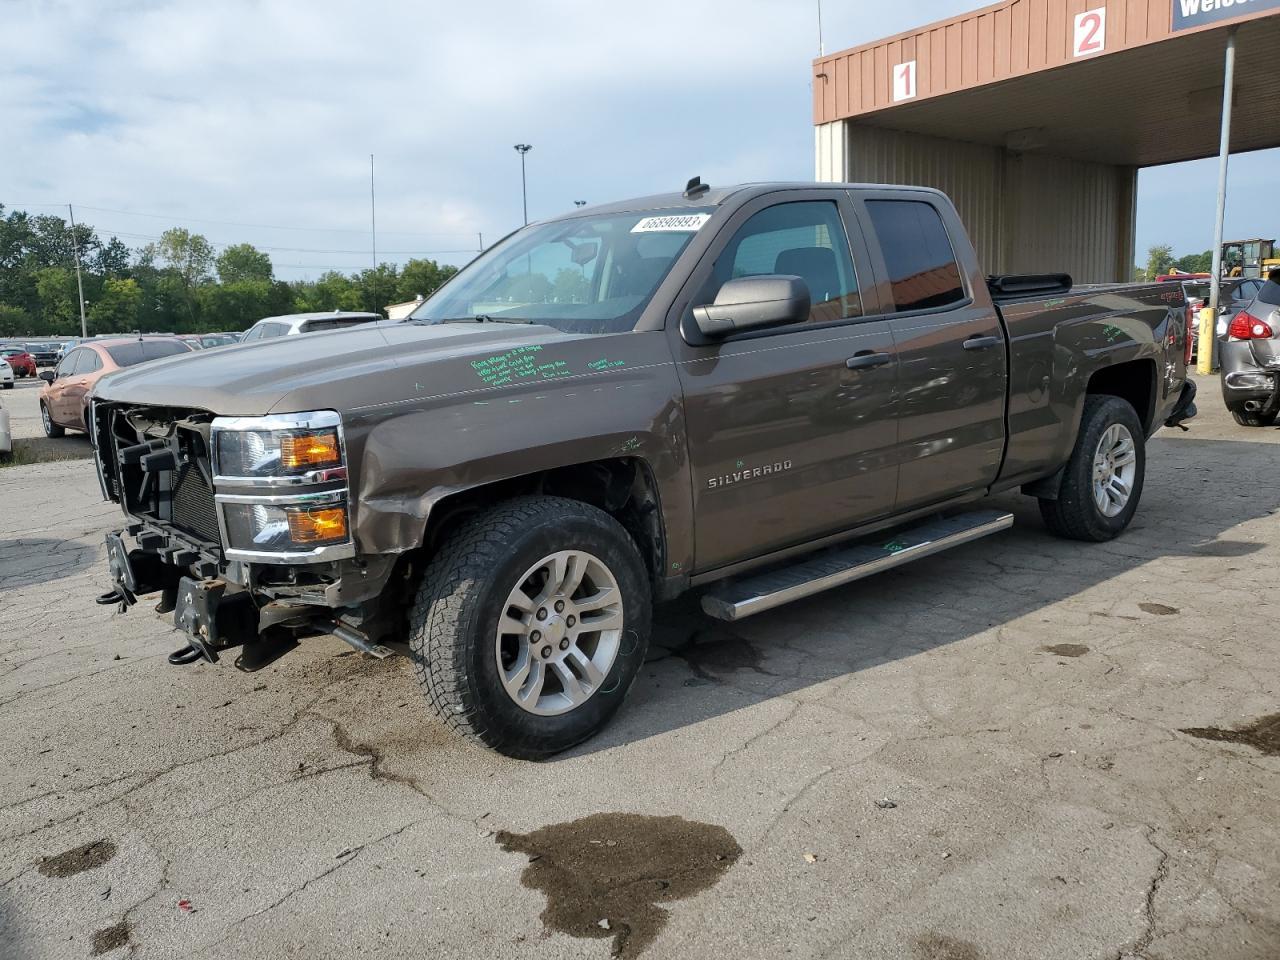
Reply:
x=243, y=261
x=333, y=291
x=117, y=306
x=1159, y=259
x=378, y=287
x=189, y=255
x=421, y=278
x=570, y=286
x=112, y=259
x=14, y=321
x=188, y=259
x=59, y=311
x=1195, y=262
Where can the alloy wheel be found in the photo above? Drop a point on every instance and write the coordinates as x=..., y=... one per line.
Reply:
x=1115, y=466
x=559, y=632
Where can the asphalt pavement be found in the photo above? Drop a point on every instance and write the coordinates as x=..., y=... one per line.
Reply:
x=982, y=755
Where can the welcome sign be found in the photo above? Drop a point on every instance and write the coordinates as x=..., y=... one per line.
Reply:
x=1196, y=13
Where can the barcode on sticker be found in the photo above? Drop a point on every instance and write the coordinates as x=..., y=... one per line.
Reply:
x=678, y=223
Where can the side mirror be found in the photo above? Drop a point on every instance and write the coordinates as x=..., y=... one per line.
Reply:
x=754, y=303
x=46, y=376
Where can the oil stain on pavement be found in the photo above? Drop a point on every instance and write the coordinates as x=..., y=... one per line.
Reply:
x=938, y=946
x=1158, y=609
x=1066, y=649
x=78, y=859
x=605, y=876
x=110, y=938
x=1263, y=734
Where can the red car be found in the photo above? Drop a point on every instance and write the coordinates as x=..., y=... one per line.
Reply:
x=23, y=363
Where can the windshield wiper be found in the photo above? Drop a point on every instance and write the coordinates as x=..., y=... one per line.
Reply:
x=486, y=318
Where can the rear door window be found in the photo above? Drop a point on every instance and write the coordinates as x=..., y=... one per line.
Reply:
x=923, y=272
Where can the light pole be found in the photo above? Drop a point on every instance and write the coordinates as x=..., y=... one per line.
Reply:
x=522, y=149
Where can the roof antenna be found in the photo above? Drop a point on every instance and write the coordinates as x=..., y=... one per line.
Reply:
x=695, y=188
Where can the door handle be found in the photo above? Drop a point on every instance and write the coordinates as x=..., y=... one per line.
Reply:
x=865, y=359
x=980, y=343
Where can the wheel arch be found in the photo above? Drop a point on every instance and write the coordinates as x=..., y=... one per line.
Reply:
x=626, y=488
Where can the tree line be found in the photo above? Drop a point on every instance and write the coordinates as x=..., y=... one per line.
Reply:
x=177, y=284
x=1160, y=259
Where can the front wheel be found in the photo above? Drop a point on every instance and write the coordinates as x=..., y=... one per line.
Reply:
x=1102, y=481
x=531, y=624
x=51, y=429
x=9, y=385
x=1252, y=418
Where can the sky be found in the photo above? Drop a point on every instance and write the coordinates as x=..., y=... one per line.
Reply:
x=254, y=121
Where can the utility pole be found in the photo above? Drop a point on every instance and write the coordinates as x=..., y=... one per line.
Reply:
x=821, y=50
x=373, y=217
x=522, y=149
x=75, y=248
x=1208, y=325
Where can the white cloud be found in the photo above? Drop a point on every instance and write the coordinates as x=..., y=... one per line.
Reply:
x=266, y=112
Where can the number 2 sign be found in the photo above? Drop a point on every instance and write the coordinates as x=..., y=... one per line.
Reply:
x=904, y=81
x=1091, y=32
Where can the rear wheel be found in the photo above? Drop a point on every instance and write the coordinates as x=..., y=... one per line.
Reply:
x=531, y=624
x=1252, y=418
x=1102, y=481
x=51, y=429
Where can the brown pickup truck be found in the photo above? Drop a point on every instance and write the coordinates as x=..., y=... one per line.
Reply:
x=759, y=391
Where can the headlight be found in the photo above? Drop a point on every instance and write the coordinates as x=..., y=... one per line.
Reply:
x=280, y=484
x=279, y=452
x=285, y=527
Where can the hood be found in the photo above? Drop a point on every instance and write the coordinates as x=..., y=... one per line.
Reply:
x=341, y=370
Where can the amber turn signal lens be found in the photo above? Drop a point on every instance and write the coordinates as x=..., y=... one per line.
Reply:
x=303, y=450
x=320, y=525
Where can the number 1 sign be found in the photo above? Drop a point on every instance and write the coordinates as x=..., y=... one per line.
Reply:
x=904, y=81
x=1091, y=32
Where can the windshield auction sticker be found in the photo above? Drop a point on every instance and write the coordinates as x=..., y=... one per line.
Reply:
x=676, y=223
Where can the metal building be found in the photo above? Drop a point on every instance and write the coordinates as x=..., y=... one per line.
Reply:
x=1035, y=116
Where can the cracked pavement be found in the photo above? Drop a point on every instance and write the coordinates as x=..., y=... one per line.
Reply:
x=1045, y=805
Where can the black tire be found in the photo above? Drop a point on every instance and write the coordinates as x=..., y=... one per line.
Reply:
x=51, y=429
x=1075, y=515
x=454, y=622
x=1252, y=418
x=9, y=386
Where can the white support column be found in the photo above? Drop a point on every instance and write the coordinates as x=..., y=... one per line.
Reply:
x=829, y=152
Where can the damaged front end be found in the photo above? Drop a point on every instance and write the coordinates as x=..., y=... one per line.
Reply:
x=242, y=525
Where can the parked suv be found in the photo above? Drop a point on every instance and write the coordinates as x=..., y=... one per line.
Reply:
x=295, y=323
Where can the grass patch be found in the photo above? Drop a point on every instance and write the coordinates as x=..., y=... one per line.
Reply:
x=29, y=450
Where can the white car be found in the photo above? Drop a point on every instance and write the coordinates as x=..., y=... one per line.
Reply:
x=295, y=323
x=6, y=374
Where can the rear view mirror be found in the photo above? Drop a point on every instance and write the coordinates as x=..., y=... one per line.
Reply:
x=754, y=303
x=584, y=253
x=46, y=376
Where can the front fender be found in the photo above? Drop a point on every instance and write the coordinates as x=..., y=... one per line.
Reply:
x=408, y=456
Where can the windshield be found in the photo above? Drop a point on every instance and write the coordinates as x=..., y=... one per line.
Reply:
x=591, y=274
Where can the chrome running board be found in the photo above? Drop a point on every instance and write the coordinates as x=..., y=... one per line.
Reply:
x=755, y=594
